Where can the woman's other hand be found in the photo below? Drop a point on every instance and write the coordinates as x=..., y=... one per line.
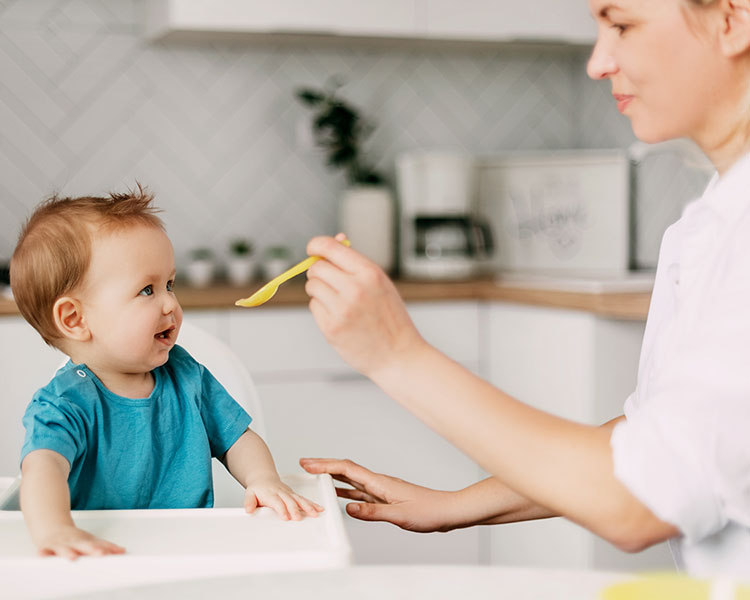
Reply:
x=384, y=498
x=357, y=307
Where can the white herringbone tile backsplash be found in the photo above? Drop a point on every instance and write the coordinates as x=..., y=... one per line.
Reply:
x=87, y=105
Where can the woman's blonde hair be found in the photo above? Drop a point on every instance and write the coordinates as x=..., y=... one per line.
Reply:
x=54, y=249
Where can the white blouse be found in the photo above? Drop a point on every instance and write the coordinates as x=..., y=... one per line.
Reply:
x=684, y=449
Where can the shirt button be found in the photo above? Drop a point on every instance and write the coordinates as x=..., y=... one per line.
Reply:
x=81, y=373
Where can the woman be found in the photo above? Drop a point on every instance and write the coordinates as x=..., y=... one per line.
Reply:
x=676, y=466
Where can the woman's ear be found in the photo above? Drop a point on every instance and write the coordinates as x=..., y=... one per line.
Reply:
x=735, y=34
x=69, y=319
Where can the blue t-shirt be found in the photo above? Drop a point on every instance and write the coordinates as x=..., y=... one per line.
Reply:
x=126, y=453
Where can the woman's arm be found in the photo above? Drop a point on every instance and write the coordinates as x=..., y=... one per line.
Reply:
x=381, y=497
x=384, y=498
x=558, y=464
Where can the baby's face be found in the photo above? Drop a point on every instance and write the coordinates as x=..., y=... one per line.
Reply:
x=128, y=302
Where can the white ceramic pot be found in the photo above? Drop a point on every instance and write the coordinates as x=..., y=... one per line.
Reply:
x=275, y=266
x=200, y=273
x=366, y=216
x=240, y=270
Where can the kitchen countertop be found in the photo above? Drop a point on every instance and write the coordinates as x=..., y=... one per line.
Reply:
x=631, y=305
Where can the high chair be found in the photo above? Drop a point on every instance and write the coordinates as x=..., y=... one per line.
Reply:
x=226, y=366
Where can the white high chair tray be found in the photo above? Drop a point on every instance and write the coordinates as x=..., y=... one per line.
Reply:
x=172, y=544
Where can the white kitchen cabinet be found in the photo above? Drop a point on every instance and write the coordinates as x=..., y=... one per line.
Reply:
x=469, y=20
x=580, y=367
x=316, y=405
x=383, y=18
x=490, y=20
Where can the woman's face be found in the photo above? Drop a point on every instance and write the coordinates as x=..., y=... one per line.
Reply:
x=666, y=70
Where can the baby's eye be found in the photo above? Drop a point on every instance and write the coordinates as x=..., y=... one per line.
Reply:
x=620, y=28
x=170, y=285
x=147, y=291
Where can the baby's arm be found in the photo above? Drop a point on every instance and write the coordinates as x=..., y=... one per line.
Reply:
x=250, y=462
x=45, y=501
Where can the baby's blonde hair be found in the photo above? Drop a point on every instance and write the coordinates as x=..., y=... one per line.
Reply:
x=54, y=249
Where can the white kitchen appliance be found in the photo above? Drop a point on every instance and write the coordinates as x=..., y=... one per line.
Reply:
x=562, y=211
x=442, y=233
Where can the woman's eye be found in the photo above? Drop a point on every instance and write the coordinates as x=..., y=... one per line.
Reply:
x=147, y=291
x=170, y=285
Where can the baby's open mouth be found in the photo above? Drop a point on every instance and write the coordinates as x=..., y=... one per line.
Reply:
x=164, y=335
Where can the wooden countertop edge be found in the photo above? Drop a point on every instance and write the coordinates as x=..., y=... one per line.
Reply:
x=629, y=305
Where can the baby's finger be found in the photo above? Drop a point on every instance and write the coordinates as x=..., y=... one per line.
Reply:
x=102, y=547
x=251, y=503
x=88, y=547
x=311, y=509
x=112, y=548
x=59, y=550
x=278, y=506
x=291, y=505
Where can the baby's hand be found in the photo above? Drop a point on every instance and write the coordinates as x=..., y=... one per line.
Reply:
x=281, y=498
x=70, y=542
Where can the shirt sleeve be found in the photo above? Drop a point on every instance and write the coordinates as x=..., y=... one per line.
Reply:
x=224, y=418
x=684, y=451
x=51, y=424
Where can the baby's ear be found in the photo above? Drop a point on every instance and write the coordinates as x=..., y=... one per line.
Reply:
x=69, y=319
x=735, y=37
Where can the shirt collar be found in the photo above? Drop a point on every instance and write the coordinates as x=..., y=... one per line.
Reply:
x=729, y=194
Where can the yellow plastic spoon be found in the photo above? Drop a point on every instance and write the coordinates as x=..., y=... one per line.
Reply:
x=267, y=292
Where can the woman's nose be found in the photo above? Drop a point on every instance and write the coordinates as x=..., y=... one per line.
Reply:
x=601, y=62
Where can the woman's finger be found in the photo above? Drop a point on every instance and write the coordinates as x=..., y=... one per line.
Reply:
x=347, y=259
x=391, y=513
x=340, y=284
x=346, y=471
x=319, y=291
x=358, y=495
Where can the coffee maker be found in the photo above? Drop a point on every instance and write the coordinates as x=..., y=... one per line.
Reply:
x=442, y=235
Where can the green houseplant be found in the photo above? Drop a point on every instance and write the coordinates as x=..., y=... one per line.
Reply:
x=366, y=211
x=341, y=130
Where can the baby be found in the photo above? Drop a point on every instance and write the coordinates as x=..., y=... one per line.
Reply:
x=132, y=420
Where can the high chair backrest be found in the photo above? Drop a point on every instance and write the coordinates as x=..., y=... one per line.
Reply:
x=226, y=366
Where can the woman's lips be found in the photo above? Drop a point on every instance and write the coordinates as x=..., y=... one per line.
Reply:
x=622, y=101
